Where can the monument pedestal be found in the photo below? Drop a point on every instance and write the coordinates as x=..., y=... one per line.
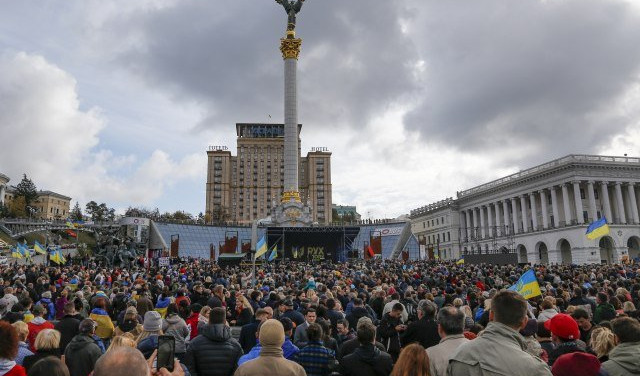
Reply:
x=291, y=212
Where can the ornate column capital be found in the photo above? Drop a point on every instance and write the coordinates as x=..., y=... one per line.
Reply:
x=290, y=46
x=576, y=181
x=591, y=182
x=618, y=183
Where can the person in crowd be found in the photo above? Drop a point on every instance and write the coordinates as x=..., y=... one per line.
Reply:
x=529, y=334
x=143, y=303
x=173, y=325
x=23, y=348
x=36, y=325
x=577, y=363
x=450, y=329
x=67, y=325
x=604, y=309
x=147, y=341
x=425, y=330
x=100, y=316
x=327, y=335
x=548, y=309
x=217, y=298
x=124, y=340
x=500, y=348
x=203, y=318
x=584, y=324
x=45, y=301
x=565, y=335
x=602, y=341
x=49, y=366
x=390, y=329
x=213, y=352
x=395, y=298
x=289, y=350
x=129, y=323
x=413, y=361
x=47, y=344
x=357, y=312
x=367, y=359
x=122, y=361
x=543, y=335
x=271, y=361
x=623, y=359
x=300, y=337
x=243, y=312
x=60, y=303
x=350, y=346
x=286, y=310
x=344, y=332
x=82, y=352
x=9, y=351
x=248, y=333
x=192, y=320
x=315, y=358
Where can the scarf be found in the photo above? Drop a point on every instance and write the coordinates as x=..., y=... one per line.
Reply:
x=6, y=365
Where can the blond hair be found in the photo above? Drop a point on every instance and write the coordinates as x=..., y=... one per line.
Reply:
x=125, y=340
x=47, y=339
x=602, y=341
x=457, y=302
x=22, y=329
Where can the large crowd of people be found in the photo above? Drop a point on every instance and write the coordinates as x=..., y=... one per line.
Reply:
x=376, y=317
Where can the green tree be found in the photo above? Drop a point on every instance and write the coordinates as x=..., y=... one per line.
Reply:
x=26, y=189
x=17, y=207
x=100, y=212
x=76, y=213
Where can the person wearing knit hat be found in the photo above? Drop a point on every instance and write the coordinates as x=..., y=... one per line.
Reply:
x=565, y=334
x=271, y=361
x=578, y=363
x=147, y=341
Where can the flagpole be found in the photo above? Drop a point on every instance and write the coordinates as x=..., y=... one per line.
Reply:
x=254, y=239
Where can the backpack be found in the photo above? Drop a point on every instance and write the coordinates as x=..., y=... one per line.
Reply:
x=412, y=311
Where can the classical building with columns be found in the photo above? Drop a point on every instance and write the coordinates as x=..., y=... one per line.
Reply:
x=4, y=180
x=542, y=213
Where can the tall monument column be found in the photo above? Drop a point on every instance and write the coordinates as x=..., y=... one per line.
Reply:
x=290, y=48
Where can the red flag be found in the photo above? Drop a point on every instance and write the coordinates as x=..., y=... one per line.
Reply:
x=71, y=233
x=370, y=251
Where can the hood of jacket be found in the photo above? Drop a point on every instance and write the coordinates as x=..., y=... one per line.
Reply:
x=367, y=354
x=173, y=319
x=129, y=325
x=625, y=355
x=80, y=341
x=216, y=332
x=6, y=365
x=500, y=331
x=359, y=312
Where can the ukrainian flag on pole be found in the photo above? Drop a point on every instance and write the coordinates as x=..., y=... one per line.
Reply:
x=527, y=285
x=461, y=261
x=261, y=247
x=597, y=229
x=38, y=248
x=15, y=253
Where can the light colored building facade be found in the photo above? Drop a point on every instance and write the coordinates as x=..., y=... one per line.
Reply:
x=248, y=186
x=4, y=181
x=52, y=205
x=542, y=213
x=437, y=228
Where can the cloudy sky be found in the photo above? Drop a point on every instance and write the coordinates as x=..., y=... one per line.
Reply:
x=116, y=101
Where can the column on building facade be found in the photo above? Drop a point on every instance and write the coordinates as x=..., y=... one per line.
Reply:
x=525, y=217
x=489, y=221
x=543, y=206
x=634, y=203
x=566, y=205
x=505, y=212
x=463, y=224
x=554, y=207
x=482, y=224
x=578, y=199
x=2, y=191
x=604, y=198
x=498, y=224
x=593, y=210
x=514, y=213
x=475, y=223
x=620, y=203
x=534, y=211
x=468, y=223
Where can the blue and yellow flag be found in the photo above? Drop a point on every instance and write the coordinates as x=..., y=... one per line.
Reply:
x=461, y=261
x=55, y=257
x=24, y=250
x=261, y=247
x=527, y=285
x=15, y=253
x=38, y=248
x=273, y=254
x=597, y=229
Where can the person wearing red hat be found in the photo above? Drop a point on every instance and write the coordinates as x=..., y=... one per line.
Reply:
x=565, y=334
x=577, y=363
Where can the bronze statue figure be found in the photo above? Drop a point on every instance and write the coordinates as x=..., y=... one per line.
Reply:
x=292, y=8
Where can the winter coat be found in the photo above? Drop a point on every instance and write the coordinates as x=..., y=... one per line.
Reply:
x=270, y=362
x=35, y=326
x=213, y=352
x=423, y=331
x=500, y=350
x=604, y=311
x=81, y=355
x=388, y=335
x=173, y=325
x=29, y=361
x=60, y=302
x=51, y=309
x=289, y=350
x=356, y=314
x=440, y=354
x=366, y=360
x=547, y=314
x=623, y=360
x=192, y=322
x=68, y=327
x=129, y=326
x=147, y=345
x=10, y=368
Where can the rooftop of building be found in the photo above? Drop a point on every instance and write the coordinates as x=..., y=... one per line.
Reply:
x=4, y=178
x=261, y=130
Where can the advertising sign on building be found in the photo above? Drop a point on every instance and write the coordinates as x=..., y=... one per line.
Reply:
x=388, y=231
x=134, y=221
x=164, y=261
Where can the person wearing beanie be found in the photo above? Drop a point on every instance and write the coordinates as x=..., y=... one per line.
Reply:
x=130, y=323
x=578, y=363
x=83, y=352
x=565, y=335
x=147, y=341
x=214, y=352
x=624, y=358
x=271, y=360
x=289, y=350
x=46, y=302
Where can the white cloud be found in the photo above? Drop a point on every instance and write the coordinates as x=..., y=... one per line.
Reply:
x=46, y=135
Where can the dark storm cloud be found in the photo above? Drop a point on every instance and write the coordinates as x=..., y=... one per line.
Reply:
x=355, y=60
x=545, y=74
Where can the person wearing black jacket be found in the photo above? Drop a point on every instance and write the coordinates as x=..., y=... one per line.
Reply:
x=367, y=359
x=213, y=352
x=357, y=312
x=390, y=330
x=248, y=332
x=68, y=326
x=425, y=330
x=83, y=352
